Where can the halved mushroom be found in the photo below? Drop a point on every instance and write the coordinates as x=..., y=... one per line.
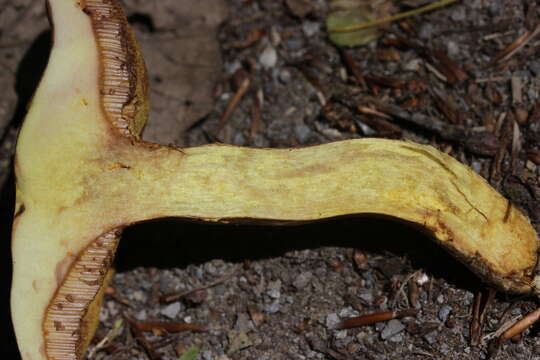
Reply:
x=83, y=174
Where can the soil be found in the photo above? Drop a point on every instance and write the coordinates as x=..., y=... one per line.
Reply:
x=279, y=293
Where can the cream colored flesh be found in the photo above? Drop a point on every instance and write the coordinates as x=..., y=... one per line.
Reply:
x=78, y=179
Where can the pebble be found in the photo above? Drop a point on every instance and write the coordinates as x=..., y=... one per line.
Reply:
x=426, y=31
x=210, y=268
x=392, y=328
x=273, y=307
x=444, y=312
x=348, y=312
x=103, y=314
x=139, y=296
x=476, y=166
x=113, y=308
x=445, y=349
x=243, y=323
x=238, y=340
x=396, y=338
x=141, y=315
x=294, y=43
x=167, y=282
x=368, y=131
x=233, y=67
x=452, y=48
x=268, y=57
x=431, y=337
x=534, y=66
x=302, y=133
x=220, y=290
x=332, y=320
x=366, y=296
x=412, y=65
x=171, y=310
x=274, y=289
x=284, y=76
x=459, y=14
x=310, y=28
x=303, y=279
x=239, y=139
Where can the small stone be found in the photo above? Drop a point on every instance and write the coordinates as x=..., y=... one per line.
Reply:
x=310, y=28
x=171, y=310
x=534, y=66
x=273, y=307
x=476, y=166
x=302, y=133
x=138, y=295
x=274, y=289
x=113, y=308
x=340, y=335
x=412, y=65
x=141, y=315
x=210, y=268
x=348, y=312
x=440, y=299
x=366, y=296
x=103, y=314
x=302, y=280
x=268, y=57
x=361, y=336
x=285, y=76
x=444, y=312
x=239, y=139
x=421, y=279
x=431, y=337
x=294, y=43
x=426, y=31
x=396, y=338
x=238, y=340
x=392, y=328
x=233, y=67
x=243, y=322
x=445, y=349
x=367, y=130
x=331, y=133
x=167, y=283
x=494, y=8
x=452, y=48
x=332, y=320
x=459, y=13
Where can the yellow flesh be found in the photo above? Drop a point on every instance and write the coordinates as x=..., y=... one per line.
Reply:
x=78, y=179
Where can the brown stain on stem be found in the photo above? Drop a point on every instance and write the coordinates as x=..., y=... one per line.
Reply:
x=431, y=157
x=469, y=202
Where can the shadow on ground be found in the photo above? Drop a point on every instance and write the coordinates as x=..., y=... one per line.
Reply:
x=8, y=346
x=174, y=243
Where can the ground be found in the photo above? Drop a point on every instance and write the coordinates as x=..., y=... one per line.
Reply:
x=278, y=293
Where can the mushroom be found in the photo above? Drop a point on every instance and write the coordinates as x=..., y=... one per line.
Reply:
x=83, y=174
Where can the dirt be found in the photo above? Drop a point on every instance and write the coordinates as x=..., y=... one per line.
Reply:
x=279, y=293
